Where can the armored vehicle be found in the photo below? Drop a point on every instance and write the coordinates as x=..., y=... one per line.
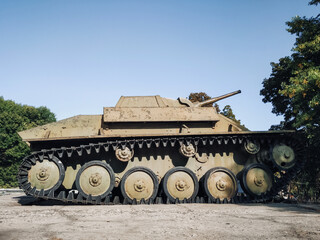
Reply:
x=150, y=149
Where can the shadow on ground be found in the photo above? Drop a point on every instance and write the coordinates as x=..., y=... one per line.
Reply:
x=29, y=201
x=295, y=207
x=282, y=207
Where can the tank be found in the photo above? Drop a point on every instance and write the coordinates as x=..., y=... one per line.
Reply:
x=150, y=149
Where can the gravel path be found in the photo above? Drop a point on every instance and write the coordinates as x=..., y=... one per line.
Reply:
x=22, y=217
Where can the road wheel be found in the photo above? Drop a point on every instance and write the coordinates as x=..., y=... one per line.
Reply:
x=139, y=183
x=95, y=178
x=257, y=179
x=180, y=183
x=220, y=183
x=47, y=174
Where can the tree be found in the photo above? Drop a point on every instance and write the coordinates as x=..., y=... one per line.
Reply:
x=293, y=88
x=14, y=118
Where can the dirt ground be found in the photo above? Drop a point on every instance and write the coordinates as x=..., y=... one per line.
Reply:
x=22, y=217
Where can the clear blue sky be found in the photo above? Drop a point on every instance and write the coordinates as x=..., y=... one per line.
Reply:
x=75, y=57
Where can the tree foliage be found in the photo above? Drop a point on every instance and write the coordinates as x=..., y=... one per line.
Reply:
x=314, y=2
x=227, y=111
x=293, y=88
x=14, y=118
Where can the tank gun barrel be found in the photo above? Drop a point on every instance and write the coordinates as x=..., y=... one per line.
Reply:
x=216, y=99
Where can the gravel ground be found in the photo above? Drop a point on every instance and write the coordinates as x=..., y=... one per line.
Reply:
x=23, y=217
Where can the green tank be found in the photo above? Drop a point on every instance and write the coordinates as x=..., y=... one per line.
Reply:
x=150, y=149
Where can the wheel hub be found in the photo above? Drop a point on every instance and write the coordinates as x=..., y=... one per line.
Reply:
x=221, y=185
x=258, y=181
x=181, y=185
x=251, y=147
x=95, y=179
x=139, y=186
x=43, y=174
x=188, y=150
x=287, y=153
x=124, y=155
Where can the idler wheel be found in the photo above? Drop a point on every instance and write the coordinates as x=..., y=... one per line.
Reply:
x=47, y=174
x=95, y=178
x=139, y=183
x=257, y=179
x=283, y=156
x=181, y=183
x=220, y=183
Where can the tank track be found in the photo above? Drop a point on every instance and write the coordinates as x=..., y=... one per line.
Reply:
x=70, y=196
